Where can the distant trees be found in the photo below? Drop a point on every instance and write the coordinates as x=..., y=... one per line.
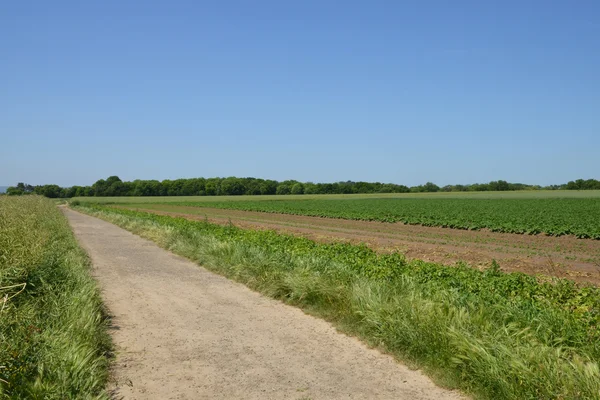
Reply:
x=233, y=186
x=268, y=187
x=51, y=191
x=496, y=186
x=297, y=188
x=112, y=186
x=13, y=191
x=429, y=187
x=283, y=188
x=21, y=188
x=580, y=184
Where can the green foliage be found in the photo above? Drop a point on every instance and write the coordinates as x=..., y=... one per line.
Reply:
x=268, y=187
x=50, y=191
x=552, y=216
x=283, y=189
x=232, y=186
x=429, y=187
x=53, y=331
x=581, y=184
x=13, y=191
x=297, y=188
x=500, y=336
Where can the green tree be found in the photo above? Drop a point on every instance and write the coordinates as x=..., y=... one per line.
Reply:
x=107, y=187
x=14, y=191
x=283, y=188
x=25, y=188
x=212, y=187
x=268, y=187
x=232, y=187
x=431, y=187
x=252, y=186
x=190, y=187
x=310, y=188
x=51, y=191
x=499, y=186
x=298, y=188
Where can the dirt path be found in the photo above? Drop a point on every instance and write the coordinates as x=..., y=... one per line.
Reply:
x=182, y=332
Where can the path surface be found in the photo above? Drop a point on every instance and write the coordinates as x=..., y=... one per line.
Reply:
x=182, y=332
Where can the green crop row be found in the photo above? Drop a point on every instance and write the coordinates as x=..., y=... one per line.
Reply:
x=497, y=335
x=53, y=339
x=552, y=216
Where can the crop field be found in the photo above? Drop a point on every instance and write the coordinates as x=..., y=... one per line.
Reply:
x=564, y=256
x=495, y=335
x=537, y=232
x=522, y=194
x=525, y=213
x=555, y=217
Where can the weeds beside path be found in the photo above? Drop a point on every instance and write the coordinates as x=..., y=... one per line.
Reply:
x=53, y=340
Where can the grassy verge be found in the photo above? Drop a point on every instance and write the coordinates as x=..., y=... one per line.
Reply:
x=52, y=329
x=495, y=335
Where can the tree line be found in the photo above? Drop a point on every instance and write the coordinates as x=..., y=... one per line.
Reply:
x=232, y=186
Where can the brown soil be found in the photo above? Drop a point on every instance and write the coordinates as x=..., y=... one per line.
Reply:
x=565, y=256
x=182, y=332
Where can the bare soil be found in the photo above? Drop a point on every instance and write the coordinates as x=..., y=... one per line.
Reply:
x=564, y=256
x=182, y=332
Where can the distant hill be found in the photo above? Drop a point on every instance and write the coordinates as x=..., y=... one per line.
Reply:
x=3, y=189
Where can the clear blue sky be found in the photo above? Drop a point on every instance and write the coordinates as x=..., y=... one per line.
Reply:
x=393, y=91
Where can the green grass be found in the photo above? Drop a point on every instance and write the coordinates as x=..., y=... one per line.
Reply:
x=495, y=335
x=53, y=332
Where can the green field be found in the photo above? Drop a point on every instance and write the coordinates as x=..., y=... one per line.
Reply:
x=554, y=213
x=495, y=335
x=521, y=194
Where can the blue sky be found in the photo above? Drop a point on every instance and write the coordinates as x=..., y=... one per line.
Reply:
x=394, y=91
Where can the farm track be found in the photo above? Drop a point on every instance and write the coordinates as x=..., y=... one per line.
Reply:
x=565, y=256
x=182, y=332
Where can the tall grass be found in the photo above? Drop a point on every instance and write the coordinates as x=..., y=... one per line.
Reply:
x=494, y=335
x=52, y=329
